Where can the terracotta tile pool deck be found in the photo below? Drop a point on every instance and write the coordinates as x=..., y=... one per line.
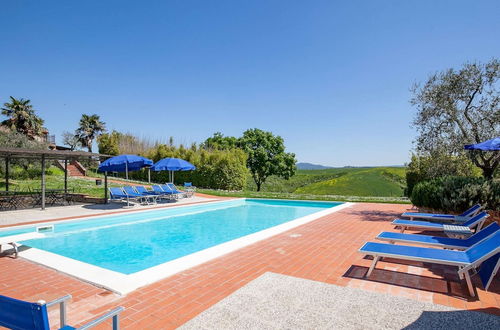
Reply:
x=324, y=250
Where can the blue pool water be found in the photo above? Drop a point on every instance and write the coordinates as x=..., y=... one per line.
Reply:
x=133, y=242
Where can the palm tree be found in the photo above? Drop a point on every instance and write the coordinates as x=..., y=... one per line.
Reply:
x=90, y=128
x=22, y=118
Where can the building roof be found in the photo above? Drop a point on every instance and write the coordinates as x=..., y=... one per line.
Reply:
x=48, y=154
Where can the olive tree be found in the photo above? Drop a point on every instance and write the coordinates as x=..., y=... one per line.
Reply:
x=71, y=140
x=266, y=156
x=458, y=107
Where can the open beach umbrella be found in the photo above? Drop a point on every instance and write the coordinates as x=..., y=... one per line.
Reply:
x=124, y=163
x=490, y=145
x=171, y=165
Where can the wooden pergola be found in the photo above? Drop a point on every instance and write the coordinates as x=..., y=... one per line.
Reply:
x=43, y=156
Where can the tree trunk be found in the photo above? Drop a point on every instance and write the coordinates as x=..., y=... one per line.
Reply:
x=258, y=185
x=488, y=172
x=89, y=145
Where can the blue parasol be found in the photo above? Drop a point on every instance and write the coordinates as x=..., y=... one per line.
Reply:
x=124, y=163
x=172, y=165
x=490, y=145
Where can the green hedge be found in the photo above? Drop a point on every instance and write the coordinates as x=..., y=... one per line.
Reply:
x=456, y=194
x=215, y=169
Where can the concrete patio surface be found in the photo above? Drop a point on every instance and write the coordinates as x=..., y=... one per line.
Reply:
x=25, y=216
x=275, y=301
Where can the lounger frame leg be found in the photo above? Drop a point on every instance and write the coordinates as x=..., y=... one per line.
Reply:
x=372, y=267
x=480, y=226
x=494, y=273
x=469, y=284
x=403, y=229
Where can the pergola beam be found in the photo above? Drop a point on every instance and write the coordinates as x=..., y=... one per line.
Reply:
x=49, y=154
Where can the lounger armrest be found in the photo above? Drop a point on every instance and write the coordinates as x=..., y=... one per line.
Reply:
x=62, y=307
x=111, y=314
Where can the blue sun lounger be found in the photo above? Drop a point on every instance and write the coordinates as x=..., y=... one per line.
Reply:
x=147, y=193
x=19, y=314
x=438, y=241
x=485, y=254
x=176, y=191
x=474, y=222
x=176, y=194
x=132, y=193
x=117, y=194
x=445, y=217
x=164, y=194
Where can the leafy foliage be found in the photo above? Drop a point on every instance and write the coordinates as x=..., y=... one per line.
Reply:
x=117, y=143
x=19, y=140
x=266, y=156
x=220, y=142
x=22, y=118
x=216, y=169
x=90, y=127
x=422, y=168
x=458, y=107
x=108, y=143
x=456, y=194
x=221, y=169
x=24, y=181
x=71, y=140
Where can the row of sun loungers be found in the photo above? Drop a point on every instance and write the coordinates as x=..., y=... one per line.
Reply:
x=477, y=252
x=141, y=194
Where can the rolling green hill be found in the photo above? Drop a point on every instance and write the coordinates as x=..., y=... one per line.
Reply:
x=367, y=181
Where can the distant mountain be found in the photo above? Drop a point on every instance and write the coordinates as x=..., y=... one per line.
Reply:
x=309, y=166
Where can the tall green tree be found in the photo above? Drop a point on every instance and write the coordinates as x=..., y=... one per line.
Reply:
x=266, y=156
x=108, y=143
x=22, y=118
x=220, y=142
x=90, y=127
x=458, y=107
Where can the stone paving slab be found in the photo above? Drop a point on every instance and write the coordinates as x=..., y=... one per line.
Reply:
x=25, y=216
x=275, y=301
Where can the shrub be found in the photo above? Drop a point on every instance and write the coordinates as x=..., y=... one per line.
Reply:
x=437, y=165
x=11, y=139
x=456, y=194
x=215, y=169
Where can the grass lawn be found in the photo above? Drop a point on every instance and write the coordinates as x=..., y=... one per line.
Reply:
x=378, y=184
x=380, y=181
x=55, y=180
x=367, y=181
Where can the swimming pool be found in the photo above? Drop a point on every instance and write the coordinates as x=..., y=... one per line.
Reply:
x=131, y=244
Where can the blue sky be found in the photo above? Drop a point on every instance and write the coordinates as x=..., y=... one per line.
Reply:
x=331, y=77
